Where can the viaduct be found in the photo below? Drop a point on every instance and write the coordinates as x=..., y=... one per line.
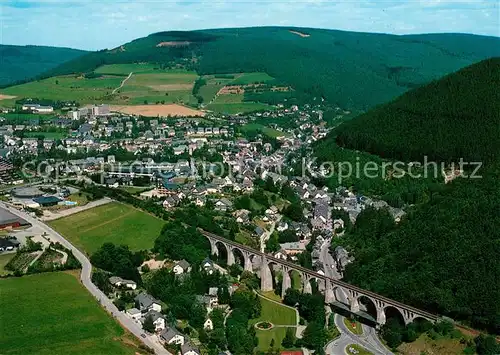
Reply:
x=330, y=286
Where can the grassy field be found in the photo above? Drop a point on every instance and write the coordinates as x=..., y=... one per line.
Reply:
x=359, y=350
x=114, y=222
x=270, y=132
x=266, y=336
x=208, y=92
x=135, y=189
x=353, y=326
x=69, y=87
x=125, y=69
x=229, y=99
x=441, y=345
x=278, y=315
x=147, y=83
x=52, y=313
x=238, y=107
x=251, y=78
x=4, y=259
x=156, y=86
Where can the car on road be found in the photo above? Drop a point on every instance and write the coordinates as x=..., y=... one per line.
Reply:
x=143, y=335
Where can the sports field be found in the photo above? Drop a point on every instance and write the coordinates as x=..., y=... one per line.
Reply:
x=113, y=222
x=52, y=313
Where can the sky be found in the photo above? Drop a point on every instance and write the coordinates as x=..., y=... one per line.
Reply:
x=99, y=24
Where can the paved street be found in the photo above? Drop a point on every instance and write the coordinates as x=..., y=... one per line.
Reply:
x=327, y=260
x=369, y=339
x=85, y=278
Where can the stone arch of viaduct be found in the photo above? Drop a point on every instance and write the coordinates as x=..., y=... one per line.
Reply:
x=330, y=287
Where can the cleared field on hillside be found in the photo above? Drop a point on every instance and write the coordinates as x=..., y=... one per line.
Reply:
x=113, y=222
x=155, y=110
x=69, y=87
x=159, y=86
x=148, y=84
x=52, y=313
x=251, y=78
x=125, y=69
x=238, y=107
x=209, y=91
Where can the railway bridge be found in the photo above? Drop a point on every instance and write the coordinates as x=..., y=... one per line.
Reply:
x=267, y=263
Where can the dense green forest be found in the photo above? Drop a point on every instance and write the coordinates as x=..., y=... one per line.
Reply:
x=455, y=117
x=442, y=256
x=352, y=70
x=19, y=63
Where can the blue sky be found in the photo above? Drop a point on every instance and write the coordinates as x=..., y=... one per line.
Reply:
x=98, y=24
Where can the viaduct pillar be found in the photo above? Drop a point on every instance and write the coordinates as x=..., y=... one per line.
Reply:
x=266, y=276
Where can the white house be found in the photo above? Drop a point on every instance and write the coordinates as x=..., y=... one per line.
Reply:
x=172, y=336
x=189, y=349
x=147, y=303
x=208, y=325
x=181, y=267
x=119, y=282
x=208, y=266
x=158, y=320
x=134, y=313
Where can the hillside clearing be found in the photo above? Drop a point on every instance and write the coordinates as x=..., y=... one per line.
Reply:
x=301, y=34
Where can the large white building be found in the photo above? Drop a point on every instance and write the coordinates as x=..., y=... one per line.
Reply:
x=37, y=108
x=100, y=110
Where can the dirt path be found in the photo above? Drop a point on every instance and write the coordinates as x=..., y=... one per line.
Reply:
x=123, y=83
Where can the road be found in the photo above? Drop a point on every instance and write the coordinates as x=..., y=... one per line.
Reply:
x=328, y=262
x=369, y=339
x=85, y=278
x=264, y=238
x=123, y=83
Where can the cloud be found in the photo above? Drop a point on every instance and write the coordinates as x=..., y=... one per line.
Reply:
x=97, y=24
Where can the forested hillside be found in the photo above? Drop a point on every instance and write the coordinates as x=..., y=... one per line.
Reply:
x=455, y=117
x=18, y=63
x=352, y=70
x=443, y=256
